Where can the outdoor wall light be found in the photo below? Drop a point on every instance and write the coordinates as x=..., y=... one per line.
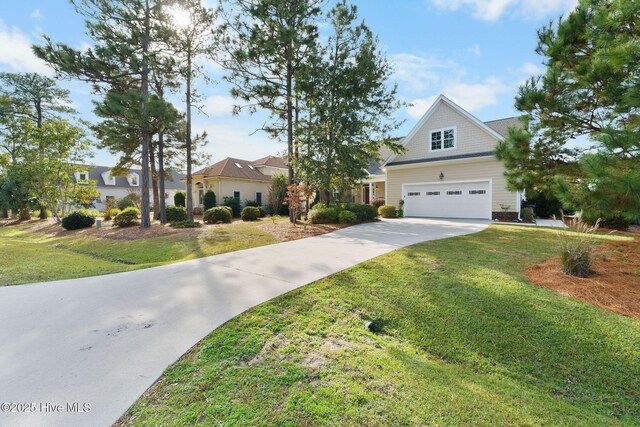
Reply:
x=441, y=176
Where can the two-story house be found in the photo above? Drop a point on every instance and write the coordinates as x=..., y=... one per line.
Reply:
x=449, y=168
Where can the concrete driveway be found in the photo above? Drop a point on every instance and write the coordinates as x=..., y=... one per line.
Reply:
x=104, y=340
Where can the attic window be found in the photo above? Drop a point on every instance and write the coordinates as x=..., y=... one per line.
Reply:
x=239, y=165
x=443, y=139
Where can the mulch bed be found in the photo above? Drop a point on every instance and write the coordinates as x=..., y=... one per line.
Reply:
x=285, y=231
x=50, y=228
x=615, y=285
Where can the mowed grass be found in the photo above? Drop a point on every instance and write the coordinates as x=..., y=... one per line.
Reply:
x=466, y=341
x=32, y=257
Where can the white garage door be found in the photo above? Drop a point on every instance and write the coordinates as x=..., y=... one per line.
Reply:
x=448, y=200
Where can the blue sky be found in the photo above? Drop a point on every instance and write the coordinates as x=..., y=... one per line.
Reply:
x=476, y=52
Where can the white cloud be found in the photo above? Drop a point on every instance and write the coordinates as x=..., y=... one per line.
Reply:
x=421, y=72
x=530, y=69
x=16, y=52
x=492, y=10
x=217, y=105
x=36, y=14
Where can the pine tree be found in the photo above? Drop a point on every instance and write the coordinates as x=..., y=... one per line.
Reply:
x=128, y=36
x=265, y=43
x=590, y=91
x=346, y=105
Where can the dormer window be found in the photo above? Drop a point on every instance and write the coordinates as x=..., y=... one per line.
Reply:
x=82, y=176
x=133, y=179
x=108, y=178
x=443, y=139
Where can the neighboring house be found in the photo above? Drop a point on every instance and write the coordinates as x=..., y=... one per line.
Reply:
x=117, y=187
x=448, y=170
x=242, y=179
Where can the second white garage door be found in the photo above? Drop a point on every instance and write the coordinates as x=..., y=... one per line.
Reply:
x=448, y=200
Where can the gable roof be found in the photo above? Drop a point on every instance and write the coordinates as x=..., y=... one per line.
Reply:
x=443, y=99
x=502, y=126
x=228, y=168
x=273, y=161
x=95, y=174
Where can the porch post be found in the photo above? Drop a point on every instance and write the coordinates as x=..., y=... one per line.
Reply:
x=371, y=184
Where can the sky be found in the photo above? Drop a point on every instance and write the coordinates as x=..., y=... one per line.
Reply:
x=476, y=52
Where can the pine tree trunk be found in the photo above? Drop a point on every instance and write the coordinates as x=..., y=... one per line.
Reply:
x=154, y=185
x=188, y=141
x=290, y=132
x=144, y=92
x=163, y=208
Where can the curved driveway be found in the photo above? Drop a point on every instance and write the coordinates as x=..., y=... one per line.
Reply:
x=104, y=340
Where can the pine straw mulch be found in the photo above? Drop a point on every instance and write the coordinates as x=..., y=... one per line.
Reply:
x=285, y=231
x=614, y=286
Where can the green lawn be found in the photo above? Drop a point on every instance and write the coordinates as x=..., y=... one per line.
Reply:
x=467, y=340
x=31, y=257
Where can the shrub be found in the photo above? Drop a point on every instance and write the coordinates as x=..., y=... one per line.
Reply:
x=250, y=213
x=323, y=216
x=527, y=215
x=576, y=247
x=217, y=215
x=77, y=219
x=176, y=213
x=228, y=208
x=318, y=205
x=25, y=214
x=111, y=213
x=126, y=218
x=616, y=222
x=198, y=210
x=209, y=200
x=252, y=203
x=363, y=212
x=545, y=206
x=186, y=224
x=347, y=217
x=233, y=203
x=387, y=211
x=180, y=199
x=277, y=194
x=400, y=213
x=377, y=202
x=127, y=201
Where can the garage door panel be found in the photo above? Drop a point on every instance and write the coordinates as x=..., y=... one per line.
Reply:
x=448, y=200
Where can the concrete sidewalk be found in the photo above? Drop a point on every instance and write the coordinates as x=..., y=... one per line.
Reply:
x=104, y=340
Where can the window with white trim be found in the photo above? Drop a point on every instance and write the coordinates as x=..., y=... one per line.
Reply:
x=413, y=193
x=454, y=193
x=443, y=139
x=432, y=193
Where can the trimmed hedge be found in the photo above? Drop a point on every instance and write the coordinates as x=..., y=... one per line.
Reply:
x=234, y=204
x=180, y=199
x=209, y=200
x=388, y=211
x=217, y=215
x=77, y=220
x=363, y=212
x=347, y=217
x=176, y=213
x=323, y=216
x=126, y=218
x=250, y=213
x=198, y=210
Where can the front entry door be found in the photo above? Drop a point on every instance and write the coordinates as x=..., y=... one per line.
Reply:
x=365, y=194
